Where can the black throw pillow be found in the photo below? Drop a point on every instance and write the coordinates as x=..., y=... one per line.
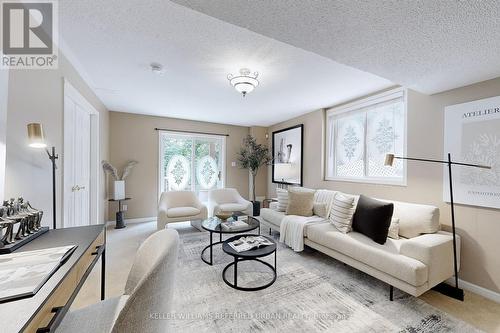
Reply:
x=372, y=218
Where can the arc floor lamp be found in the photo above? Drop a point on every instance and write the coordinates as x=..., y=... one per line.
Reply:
x=37, y=140
x=454, y=292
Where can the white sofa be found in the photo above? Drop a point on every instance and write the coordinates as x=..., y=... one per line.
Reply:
x=228, y=200
x=179, y=206
x=415, y=263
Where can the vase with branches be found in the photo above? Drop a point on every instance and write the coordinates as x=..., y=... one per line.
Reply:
x=252, y=156
x=119, y=182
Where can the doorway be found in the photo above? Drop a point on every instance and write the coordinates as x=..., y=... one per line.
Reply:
x=80, y=160
x=191, y=161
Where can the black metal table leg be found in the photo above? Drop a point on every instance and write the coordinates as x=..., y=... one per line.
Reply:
x=275, y=255
x=103, y=274
x=211, y=251
x=236, y=271
x=209, y=247
x=220, y=237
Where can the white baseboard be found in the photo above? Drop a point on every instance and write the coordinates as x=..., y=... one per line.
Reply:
x=136, y=220
x=486, y=293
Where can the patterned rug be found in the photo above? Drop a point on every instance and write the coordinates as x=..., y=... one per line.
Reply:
x=313, y=293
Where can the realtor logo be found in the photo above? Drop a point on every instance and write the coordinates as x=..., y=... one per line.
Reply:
x=29, y=34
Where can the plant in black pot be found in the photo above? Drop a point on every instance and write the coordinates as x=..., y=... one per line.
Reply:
x=252, y=156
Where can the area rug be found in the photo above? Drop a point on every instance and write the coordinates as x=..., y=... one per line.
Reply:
x=312, y=293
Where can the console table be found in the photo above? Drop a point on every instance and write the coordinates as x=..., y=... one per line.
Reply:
x=44, y=311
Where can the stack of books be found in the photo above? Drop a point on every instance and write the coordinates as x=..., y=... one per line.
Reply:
x=234, y=225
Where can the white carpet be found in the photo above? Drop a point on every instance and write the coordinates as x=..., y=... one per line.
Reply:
x=312, y=293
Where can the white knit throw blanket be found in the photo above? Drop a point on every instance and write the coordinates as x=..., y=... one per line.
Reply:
x=292, y=230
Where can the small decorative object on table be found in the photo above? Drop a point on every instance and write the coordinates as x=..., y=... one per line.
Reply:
x=20, y=223
x=223, y=215
x=119, y=184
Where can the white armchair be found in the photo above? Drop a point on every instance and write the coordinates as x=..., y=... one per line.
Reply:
x=149, y=290
x=228, y=200
x=179, y=206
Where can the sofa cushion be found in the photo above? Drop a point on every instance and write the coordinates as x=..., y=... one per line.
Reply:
x=324, y=196
x=385, y=258
x=272, y=216
x=232, y=207
x=282, y=195
x=415, y=219
x=394, y=229
x=341, y=212
x=373, y=218
x=182, y=211
x=300, y=203
x=320, y=209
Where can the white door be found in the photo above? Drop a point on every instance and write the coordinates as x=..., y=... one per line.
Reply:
x=77, y=162
x=191, y=161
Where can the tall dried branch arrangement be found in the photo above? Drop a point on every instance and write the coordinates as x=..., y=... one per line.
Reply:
x=128, y=168
x=110, y=169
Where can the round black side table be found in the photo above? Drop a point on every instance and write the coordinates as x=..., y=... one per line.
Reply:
x=120, y=224
x=213, y=225
x=253, y=254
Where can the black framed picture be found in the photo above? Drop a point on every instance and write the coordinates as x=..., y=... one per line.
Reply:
x=288, y=155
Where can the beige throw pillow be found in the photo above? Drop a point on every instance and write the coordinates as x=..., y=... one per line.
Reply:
x=342, y=212
x=300, y=203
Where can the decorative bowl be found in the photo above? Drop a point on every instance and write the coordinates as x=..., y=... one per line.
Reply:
x=223, y=215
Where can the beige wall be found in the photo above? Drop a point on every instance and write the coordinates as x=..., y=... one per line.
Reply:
x=479, y=227
x=38, y=96
x=132, y=137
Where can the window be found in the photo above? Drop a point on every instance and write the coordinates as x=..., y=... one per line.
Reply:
x=360, y=134
x=191, y=162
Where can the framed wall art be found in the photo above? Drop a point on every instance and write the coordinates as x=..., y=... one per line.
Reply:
x=472, y=135
x=288, y=155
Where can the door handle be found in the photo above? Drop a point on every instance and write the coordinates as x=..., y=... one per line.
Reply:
x=77, y=188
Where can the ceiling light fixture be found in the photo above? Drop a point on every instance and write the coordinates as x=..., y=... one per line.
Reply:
x=245, y=82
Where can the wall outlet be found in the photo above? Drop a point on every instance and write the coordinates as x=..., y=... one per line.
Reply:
x=233, y=164
x=124, y=208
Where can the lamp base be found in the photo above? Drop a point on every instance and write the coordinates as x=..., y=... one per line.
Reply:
x=450, y=291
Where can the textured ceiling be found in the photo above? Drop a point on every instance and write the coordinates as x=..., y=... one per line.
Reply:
x=428, y=45
x=113, y=42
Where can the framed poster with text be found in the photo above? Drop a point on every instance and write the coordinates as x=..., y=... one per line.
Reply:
x=472, y=135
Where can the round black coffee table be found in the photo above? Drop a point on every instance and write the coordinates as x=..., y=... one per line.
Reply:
x=212, y=225
x=253, y=254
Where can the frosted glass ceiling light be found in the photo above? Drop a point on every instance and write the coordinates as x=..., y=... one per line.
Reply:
x=245, y=82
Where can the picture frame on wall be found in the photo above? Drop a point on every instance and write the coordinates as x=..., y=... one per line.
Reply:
x=288, y=153
x=472, y=135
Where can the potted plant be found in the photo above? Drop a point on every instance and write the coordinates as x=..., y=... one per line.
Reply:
x=252, y=156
